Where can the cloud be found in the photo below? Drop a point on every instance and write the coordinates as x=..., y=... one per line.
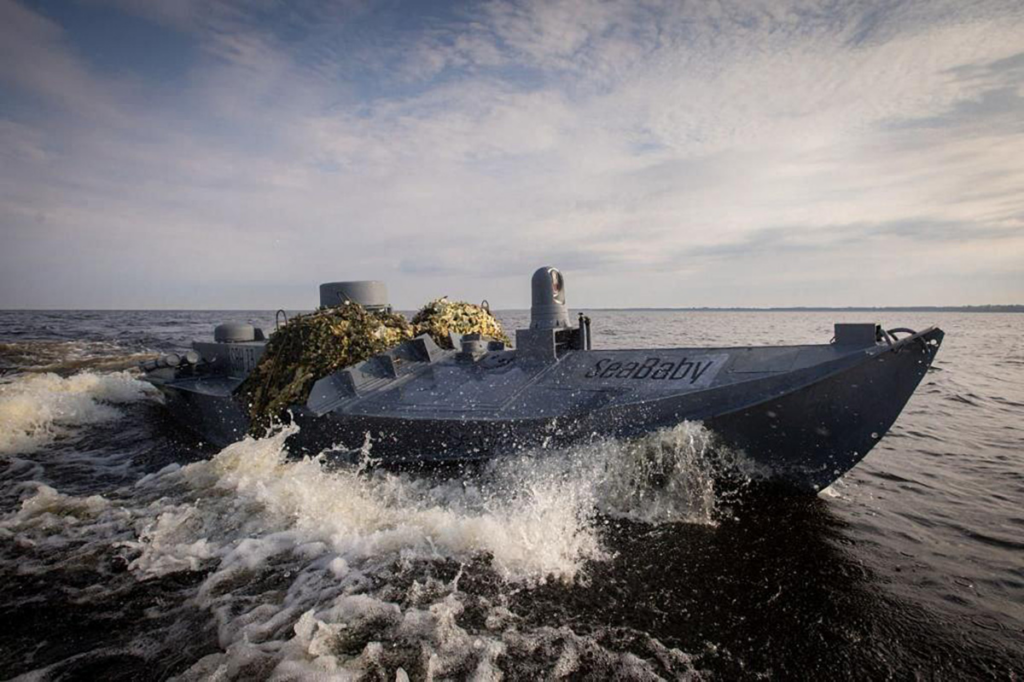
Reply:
x=650, y=149
x=778, y=241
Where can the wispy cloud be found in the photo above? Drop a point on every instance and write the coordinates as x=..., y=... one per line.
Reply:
x=661, y=153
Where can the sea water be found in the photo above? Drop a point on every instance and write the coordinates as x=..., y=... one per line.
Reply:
x=130, y=549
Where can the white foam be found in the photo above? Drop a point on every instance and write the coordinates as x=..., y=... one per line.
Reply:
x=360, y=636
x=335, y=536
x=46, y=506
x=169, y=544
x=54, y=529
x=665, y=477
x=535, y=529
x=37, y=409
x=532, y=515
x=304, y=562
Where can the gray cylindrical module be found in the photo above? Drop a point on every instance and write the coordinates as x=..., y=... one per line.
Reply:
x=371, y=294
x=234, y=332
x=547, y=307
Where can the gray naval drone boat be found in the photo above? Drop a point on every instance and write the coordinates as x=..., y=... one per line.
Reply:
x=805, y=414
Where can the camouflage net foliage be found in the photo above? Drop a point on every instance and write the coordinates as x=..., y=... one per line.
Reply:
x=441, y=316
x=310, y=347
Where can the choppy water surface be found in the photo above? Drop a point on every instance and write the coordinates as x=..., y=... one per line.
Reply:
x=128, y=550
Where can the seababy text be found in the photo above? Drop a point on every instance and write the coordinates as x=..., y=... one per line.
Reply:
x=653, y=368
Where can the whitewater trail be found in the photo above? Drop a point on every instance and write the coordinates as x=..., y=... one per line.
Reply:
x=308, y=568
x=37, y=409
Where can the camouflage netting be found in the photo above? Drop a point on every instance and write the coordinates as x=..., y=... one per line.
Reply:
x=442, y=316
x=310, y=347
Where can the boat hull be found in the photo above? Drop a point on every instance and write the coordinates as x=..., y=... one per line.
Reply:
x=809, y=437
x=800, y=431
x=802, y=428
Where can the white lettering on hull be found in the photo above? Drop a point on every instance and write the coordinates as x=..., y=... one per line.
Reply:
x=696, y=370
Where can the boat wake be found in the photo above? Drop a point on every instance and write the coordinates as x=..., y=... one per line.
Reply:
x=68, y=357
x=37, y=409
x=276, y=566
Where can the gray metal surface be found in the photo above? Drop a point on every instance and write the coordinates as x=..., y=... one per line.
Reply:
x=856, y=334
x=547, y=300
x=371, y=294
x=806, y=413
x=231, y=359
x=234, y=332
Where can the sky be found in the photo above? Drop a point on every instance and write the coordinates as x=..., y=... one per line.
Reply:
x=219, y=154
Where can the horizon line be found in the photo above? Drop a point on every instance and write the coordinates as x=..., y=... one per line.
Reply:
x=984, y=307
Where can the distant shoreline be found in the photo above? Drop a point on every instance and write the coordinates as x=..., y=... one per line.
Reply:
x=849, y=309
x=796, y=309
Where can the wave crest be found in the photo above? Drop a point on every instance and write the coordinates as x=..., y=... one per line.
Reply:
x=37, y=409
